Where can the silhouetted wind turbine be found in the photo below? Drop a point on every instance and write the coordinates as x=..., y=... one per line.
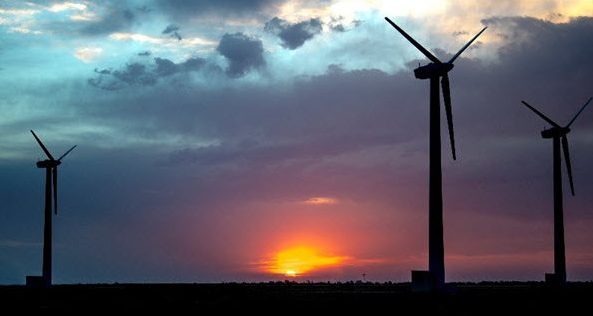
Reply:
x=436, y=71
x=51, y=185
x=558, y=134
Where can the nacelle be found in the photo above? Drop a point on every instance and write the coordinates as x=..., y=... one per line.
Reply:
x=555, y=132
x=432, y=70
x=48, y=163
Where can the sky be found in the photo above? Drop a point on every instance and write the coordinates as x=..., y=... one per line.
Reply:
x=261, y=140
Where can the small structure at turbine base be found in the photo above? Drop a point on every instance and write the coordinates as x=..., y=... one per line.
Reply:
x=424, y=281
x=554, y=280
x=35, y=282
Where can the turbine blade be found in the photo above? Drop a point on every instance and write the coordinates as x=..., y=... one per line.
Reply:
x=567, y=160
x=42, y=146
x=540, y=114
x=55, y=188
x=413, y=41
x=579, y=112
x=449, y=112
x=466, y=46
x=69, y=150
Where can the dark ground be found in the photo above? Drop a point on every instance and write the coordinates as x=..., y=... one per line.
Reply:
x=283, y=297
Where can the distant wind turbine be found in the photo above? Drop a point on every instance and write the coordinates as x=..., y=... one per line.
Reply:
x=51, y=185
x=558, y=135
x=435, y=71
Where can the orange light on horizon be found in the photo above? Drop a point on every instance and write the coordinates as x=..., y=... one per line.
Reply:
x=297, y=261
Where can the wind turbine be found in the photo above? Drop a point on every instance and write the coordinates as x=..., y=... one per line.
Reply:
x=558, y=135
x=51, y=185
x=435, y=71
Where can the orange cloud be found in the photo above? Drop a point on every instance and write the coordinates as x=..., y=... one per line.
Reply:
x=321, y=200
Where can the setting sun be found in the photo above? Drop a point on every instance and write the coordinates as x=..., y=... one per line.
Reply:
x=297, y=261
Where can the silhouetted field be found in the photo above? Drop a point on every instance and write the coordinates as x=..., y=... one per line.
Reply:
x=279, y=297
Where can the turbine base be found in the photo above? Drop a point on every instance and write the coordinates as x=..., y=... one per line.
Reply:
x=553, y=279
x=423, y=281
x=35, y=281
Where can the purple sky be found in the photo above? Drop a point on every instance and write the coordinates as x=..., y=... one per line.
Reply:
x=211, y=137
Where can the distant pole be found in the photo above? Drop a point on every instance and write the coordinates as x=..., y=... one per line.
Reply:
x=436, y=252
x=47, y=231
x=364, y=275
x=559, y=252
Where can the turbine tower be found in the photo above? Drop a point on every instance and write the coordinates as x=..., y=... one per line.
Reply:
x=559, y=139
x=51, y=185
x=435, y=71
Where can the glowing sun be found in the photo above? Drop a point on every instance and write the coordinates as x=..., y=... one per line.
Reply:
x=293, y=262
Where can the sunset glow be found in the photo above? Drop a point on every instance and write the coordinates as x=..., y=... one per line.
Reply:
x=298, y=261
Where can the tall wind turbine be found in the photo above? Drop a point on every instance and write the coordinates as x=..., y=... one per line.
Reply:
x=51, y=185
x=558, y=135
x=436, y=71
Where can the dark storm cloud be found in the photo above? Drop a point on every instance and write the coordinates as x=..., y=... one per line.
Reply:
x=242, y=52
x=139, y=74
x=337, y=24
x=270, y=136
x=172, y=29
x=134, y=73
x=345, y=110
x=294, y=35
x=532, y=35
x=165, y=67
x=131, y=74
